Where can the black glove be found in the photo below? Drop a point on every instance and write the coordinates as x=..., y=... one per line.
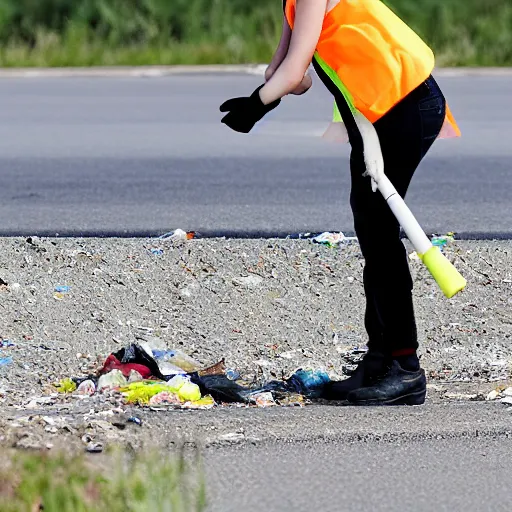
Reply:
x=245, y=112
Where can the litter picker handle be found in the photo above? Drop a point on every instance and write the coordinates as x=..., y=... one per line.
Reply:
x=445, y=274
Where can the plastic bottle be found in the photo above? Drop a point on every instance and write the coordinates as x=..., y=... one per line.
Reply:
x=170, y=362
x=309, y=383
x=176, y=358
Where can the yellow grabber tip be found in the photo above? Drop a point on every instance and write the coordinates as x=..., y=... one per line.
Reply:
x=446, y=275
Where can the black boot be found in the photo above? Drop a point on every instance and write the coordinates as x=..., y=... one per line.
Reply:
x=371, y=367
x=397, y=387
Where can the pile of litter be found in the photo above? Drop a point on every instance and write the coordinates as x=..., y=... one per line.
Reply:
x=335, y=239
x=159, y=378
x=329, y=239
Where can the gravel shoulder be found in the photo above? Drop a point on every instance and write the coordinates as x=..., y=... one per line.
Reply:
x=267, y=307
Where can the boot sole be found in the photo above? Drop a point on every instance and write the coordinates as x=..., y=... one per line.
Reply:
x=417, y=398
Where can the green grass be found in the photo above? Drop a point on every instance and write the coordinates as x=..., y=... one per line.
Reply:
x=115, y=483
x=473, y=32
x=125, y=32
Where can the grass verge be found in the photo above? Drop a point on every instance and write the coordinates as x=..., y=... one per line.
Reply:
x=113, y=482
x=59, y=33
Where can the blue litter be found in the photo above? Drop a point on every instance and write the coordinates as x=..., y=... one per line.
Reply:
x=309, y=383
x=62, y=289
x=162, y=354
x=442, y=241
x=232, y=374
x=5, y=361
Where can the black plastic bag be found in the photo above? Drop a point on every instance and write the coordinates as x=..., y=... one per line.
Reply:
x=134, y=353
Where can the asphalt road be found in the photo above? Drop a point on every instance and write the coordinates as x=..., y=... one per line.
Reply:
x=451, y=456
x=148, y=155
x=447, y=455
x=438, y=457
x=420, y=476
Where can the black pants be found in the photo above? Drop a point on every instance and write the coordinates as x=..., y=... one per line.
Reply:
x=406, y=133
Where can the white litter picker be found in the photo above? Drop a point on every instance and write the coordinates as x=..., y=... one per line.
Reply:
x=445, y=274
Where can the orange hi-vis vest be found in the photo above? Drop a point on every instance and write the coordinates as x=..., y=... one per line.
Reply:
x=372, y=57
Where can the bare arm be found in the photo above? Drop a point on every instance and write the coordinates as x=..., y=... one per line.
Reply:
x=307, y=28
x=279, y=56
x=281, y=51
